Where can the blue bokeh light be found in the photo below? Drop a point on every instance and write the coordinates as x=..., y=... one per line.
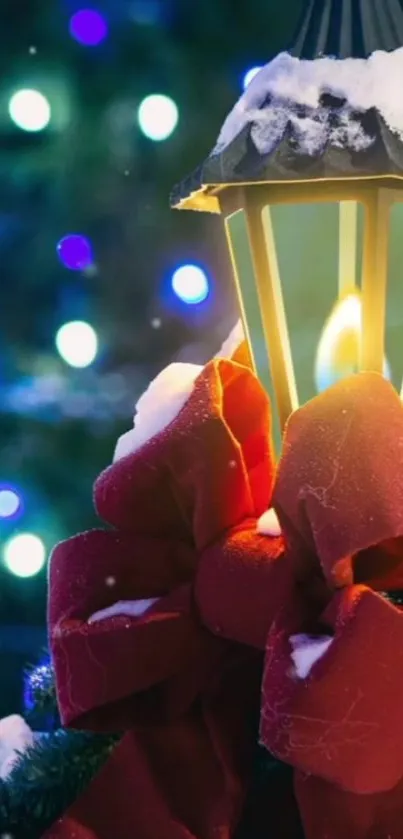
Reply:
x=190, y=283
x=88, y=27
x=10, y=502
x=75, y=252
x=249, y=76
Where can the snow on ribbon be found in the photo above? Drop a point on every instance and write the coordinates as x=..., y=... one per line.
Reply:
x=165, y=397
x=126, y=608
x=307, y=650
x=15, y=738
x=268, y=524
x=159, y=405
x=286, y=85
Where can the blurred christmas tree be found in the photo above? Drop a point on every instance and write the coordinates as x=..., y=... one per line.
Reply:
x=91, y=173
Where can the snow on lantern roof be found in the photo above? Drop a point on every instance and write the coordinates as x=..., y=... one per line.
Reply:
x=311, y=119
x=324, y=102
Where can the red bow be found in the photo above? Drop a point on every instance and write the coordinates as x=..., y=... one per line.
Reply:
x=210, y=472
x=339, y=498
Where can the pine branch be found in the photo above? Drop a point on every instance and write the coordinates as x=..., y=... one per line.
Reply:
x=47, y=780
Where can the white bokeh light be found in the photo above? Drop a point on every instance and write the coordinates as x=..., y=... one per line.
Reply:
x=190, y=283
x=77, y=343
x=29, y=110
x=24, y=555
x=158, y=117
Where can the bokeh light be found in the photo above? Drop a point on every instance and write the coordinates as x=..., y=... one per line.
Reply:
x=75, y=252
x=190, y=283
x=158, y=117
x=88, y=27
x=24, y=555
x=10, y=502
x=77, y=343
x=250, y=75
x=29, y=110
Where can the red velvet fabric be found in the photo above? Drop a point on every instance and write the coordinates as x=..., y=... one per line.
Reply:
x=208, y=470
x=339, y=487
x=186, y=698
x=339, y=497
x=242, y=583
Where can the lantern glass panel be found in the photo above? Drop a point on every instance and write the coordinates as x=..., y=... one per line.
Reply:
x=319, y=256
x=394, y=299
x=311, y=266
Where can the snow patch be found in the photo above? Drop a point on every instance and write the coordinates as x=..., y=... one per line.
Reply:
x=233, y=342
x=286, y=85
x=268, y=524
x=159, y=405
x=15, y=738
x=307, y=650
x=127, y=608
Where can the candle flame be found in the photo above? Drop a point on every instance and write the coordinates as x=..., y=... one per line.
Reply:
x=338, y=349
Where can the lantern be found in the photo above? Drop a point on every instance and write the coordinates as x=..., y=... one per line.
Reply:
x=319, y=127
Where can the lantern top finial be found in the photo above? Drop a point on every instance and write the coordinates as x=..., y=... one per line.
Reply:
x=330, y=109
x=349, y=28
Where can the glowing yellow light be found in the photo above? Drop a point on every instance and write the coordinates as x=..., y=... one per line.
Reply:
x=338, y=350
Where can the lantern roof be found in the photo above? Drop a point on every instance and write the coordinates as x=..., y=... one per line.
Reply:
x=349, y=28
x=331, y=108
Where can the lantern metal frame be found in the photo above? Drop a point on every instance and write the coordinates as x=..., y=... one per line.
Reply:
x=233, y=180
